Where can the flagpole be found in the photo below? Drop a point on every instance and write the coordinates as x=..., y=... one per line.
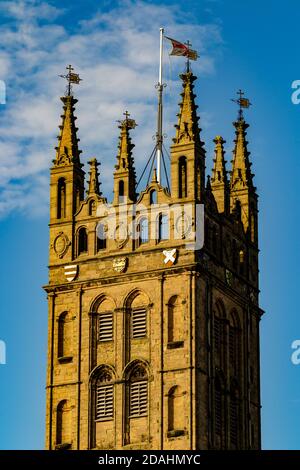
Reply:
x=159, y=136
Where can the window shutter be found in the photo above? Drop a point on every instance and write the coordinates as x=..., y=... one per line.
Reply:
x=139, y=323
x=233, y=420
x=138, y=399
x=105, y=402
x=105, y=327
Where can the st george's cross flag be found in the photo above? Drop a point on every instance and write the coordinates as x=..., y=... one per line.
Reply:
x=181, y=49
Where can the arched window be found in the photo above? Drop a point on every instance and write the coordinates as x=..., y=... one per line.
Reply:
x=82, y=241
x=138, y=392
x=234, y=345
x=136, y=321
x=176, y=415
x=163, y=227
x=61, y=198
x=101, y=237
x=219, y=336
x=153, y=197
x=92, y=207
x=121, y=191
x=64, y=338
x=104, y=396
x=234, y=416
x=143, y=231
x=61, y=334
x=63, y=425
x=175, y=322
x=182, y=177
x=78, y=194
x=219, y=413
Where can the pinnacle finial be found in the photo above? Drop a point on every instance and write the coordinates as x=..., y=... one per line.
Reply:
x=94, y=185
x=187, y=129
x=67, y=151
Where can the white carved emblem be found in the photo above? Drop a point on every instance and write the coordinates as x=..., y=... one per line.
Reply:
x=170, y=256
x=71, y=272
x=120, y=264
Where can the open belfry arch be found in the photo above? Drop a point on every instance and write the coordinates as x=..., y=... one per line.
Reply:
x=151, y=344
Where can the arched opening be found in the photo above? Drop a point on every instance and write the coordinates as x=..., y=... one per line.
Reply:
x=219, y=336
x=153, y=197
x=105, y=321
x=137, y=402
x=121, y=191
x=234, y=343
x=234, y=416
x=176, y=415
x=102, y=407
x=163, y=227
x=79, y=193
x=61, y=198
x=104, y=396
x=219, y=412
x=92, y=208
x=101, y=237
x=143, y=231
x=61, y=334
x=175, y=322
x=82, y=241
x=182, y=177
x=63, y=425
x=64, y=338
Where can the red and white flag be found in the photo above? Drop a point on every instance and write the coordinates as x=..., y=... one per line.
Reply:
x=181, y=49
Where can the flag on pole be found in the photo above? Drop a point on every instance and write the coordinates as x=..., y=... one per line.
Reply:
x=244, y=102
x=180, y=49
x=74, y=78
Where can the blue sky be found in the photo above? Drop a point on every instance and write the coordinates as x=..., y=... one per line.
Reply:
x=114, y=46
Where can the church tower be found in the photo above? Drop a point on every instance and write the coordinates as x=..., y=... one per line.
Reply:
x=153, y=338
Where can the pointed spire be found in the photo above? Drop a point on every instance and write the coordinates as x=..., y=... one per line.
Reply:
x=124, y=157
x=124, y=175
x=67, y=151
x=187, y=129
x=94, y=185
x=219, y=175
x=241, y=176
x=219, y=180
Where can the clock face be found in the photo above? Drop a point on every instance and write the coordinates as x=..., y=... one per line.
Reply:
x=121, y=235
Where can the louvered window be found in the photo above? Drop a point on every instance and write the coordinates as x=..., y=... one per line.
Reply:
x=218, y=411
x=233, y=421
x=105, y=327
x=138, y=399
x=139, y=323
x=105, y=402
x=217, y=334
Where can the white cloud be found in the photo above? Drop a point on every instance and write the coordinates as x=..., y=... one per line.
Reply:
x=117, y=57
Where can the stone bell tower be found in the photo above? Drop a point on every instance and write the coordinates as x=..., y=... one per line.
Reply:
x=152, y=344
